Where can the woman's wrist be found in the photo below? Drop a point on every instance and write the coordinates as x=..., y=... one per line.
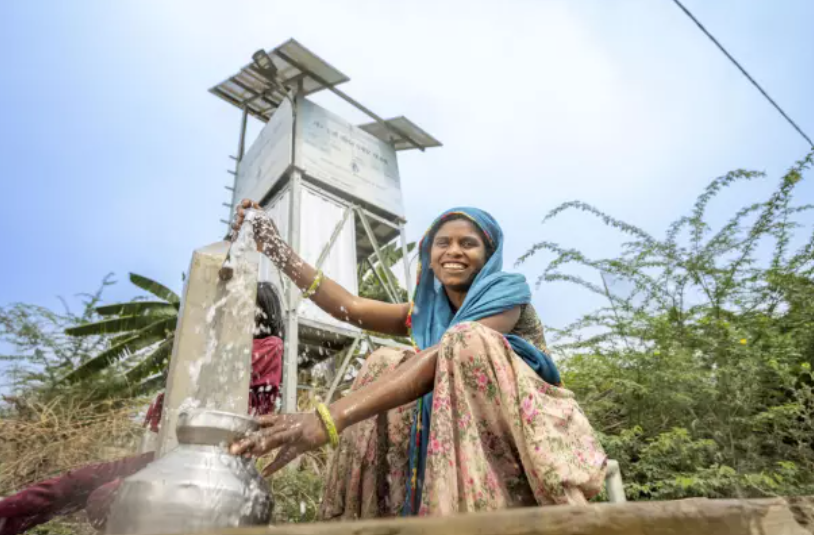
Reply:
x=271, y=243
x=277, y=251
x=339, y=417
x=330, y=433
x=280, y=255
x=324, y=436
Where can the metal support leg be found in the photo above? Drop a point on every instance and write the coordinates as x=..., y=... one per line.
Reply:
x=292, y=335
x=375, y=243
x=241, y=149
x=613, y=483
x=343, y=368
x=381, y=282
x=408, y=279
x=337, y=230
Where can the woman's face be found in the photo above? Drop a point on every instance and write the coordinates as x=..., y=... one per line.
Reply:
x=457, y=254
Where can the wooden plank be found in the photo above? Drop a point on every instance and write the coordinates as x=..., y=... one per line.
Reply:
x=698, y=516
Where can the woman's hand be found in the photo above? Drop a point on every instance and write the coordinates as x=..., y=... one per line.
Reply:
x=269, y=241
x=294, y=434
x=240, y=215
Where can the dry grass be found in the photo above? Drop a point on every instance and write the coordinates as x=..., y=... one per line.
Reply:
x=38, y=441
x=74, y=524
x=297, y=488
x=42, y=440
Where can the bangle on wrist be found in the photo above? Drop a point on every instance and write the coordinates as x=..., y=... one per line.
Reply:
x=307, y=294
x=328, y=421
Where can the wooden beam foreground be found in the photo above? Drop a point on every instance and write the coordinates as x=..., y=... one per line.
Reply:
x=697, y=516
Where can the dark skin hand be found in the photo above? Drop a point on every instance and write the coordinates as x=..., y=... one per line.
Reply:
x=457, y=255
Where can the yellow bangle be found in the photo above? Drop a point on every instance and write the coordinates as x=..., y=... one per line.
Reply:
x=314, y=286
x=329, y=424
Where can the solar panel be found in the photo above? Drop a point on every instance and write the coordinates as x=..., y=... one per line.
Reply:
x=295, y=64
x=401, y=125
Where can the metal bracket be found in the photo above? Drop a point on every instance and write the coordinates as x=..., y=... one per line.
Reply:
x=370, y=341
x=349, y=100
x=405, y=254
x=392, y=292
x=381, y=281
x=326, y=249
x=337, y=230
x=613, y=483
x=343, y=368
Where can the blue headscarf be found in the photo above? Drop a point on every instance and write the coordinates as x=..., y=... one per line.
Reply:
x=493, y=291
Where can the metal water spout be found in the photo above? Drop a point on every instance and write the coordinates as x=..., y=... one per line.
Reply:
x=195, y=484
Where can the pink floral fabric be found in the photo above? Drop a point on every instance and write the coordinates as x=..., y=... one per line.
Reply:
x=500, y=437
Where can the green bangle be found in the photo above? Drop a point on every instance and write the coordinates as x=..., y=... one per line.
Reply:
x=314, y=286
x=328, y=422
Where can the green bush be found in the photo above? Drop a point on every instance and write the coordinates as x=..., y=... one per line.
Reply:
x=699, y=378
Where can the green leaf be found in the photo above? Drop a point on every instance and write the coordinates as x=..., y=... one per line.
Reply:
x=146, y=337
x=138, y=308
x=149, y=386
x=104, y=359
x=397, y=253
x=155, y=288
x=116, y=340
x=116, y=325
x=391, y=254
x=368, y=283
x=153, y=363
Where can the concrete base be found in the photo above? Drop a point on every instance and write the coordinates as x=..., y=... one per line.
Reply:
x=698, y=516
x=211, y=359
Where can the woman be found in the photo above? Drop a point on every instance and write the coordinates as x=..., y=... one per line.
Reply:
x=474, y=418
x=93, y=487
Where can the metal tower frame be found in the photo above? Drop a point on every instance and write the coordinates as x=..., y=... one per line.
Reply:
x=292, y=72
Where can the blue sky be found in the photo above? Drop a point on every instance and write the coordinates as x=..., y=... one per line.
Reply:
x=113, y=156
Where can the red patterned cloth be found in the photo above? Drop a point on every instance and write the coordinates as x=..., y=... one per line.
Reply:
x=62, y=495
x=267, y=373
x=153, y=416
x=93, y=487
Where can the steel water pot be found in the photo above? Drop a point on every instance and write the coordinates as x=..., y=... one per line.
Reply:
x=198, y=486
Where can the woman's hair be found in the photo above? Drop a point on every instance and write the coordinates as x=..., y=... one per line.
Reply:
x=490, y=248
x=269, y=314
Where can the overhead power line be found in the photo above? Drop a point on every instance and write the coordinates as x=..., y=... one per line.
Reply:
x=743, y=71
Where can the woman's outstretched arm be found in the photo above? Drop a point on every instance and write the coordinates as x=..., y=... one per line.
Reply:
x=407, y=383
x=331, y=297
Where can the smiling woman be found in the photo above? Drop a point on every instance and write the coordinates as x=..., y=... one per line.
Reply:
x=473, y=418
x=459, y=251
